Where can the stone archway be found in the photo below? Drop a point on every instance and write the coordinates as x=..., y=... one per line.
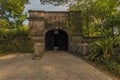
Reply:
x=62, y=22
x=56, y=39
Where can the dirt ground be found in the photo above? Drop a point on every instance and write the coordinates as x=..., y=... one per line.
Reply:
x=53, y=66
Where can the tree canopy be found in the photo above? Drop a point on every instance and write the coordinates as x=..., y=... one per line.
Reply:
x=99, y=13
x=11, y=11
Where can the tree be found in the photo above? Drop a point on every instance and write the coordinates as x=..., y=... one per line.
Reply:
x=97, y=12
x=3, y=23
x=100, y=17
x=12, y=10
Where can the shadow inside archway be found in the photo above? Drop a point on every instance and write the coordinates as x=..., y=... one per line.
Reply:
x=56, y=39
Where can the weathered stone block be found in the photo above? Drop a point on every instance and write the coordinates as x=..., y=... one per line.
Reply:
x=38, y=51
x=80, y=48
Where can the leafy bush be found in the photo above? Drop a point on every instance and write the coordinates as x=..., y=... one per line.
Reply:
x=3, y=23
x=112, y=64
x=103, y=47
x=15, y=40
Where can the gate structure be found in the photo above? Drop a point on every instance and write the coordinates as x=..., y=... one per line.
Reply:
x=55, y=29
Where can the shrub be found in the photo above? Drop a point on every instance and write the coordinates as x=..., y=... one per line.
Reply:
x=3, y=23
x=103, y=47
x=112, y=64
x=15, y=40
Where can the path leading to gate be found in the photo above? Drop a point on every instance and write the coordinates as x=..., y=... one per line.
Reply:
x=53, y=66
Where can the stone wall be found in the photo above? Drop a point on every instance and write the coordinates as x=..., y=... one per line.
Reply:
x=79, y=45
x=79, y=49
x=40, y=22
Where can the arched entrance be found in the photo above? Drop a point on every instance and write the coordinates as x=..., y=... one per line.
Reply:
x=56, y=39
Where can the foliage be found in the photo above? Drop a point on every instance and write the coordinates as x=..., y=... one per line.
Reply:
x=104, y=47
x=12, y=11
x=100, y=16
x=3, y=23
x=96, y=12
x=99, y=19
x=112, y=64
x=15, y=40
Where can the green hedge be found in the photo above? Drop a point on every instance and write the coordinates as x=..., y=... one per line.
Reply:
x=15, y=40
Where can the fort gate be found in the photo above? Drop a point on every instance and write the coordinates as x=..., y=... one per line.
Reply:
x=55, y=30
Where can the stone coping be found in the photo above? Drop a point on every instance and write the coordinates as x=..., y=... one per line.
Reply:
x=52, y=11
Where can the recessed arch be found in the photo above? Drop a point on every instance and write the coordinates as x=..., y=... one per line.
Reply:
x=56, y=39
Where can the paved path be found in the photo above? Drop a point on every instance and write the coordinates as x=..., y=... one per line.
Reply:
x=53, y=66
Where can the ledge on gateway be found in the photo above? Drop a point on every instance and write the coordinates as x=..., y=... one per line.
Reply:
x=36, y=11
x=35, y=18
x=48, y=11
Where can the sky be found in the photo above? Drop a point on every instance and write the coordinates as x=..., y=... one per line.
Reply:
x=36, y=5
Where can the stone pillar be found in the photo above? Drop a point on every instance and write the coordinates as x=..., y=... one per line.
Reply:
x=38, y=51
x=36, y=32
